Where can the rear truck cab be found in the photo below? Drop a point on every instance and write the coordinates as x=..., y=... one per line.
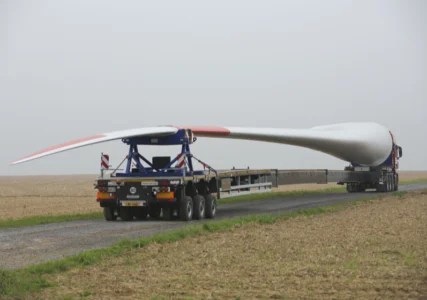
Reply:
x=160, y=189
x=383, y=178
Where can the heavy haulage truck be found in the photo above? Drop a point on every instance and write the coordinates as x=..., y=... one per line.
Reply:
x=172, y=188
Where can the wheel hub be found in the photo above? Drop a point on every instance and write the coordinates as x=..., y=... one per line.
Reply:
x=189, y=209
x=202, y=208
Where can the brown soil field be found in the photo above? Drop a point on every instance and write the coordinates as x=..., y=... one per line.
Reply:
x=376, y=250
x=26, y=196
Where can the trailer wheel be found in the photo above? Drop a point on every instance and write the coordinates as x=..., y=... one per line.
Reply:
x=352, y=187
x=385, y=186
x=210, y=204
x=199, y=207
x=109, y=214
x=167, y=213
x=140, y=213
x=154, y=211
x=378, y=187
x=126, y=214
x=381, y=188
x=186, y=208
x=391, y=183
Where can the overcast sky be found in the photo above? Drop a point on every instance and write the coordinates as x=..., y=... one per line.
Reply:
x=70, y=69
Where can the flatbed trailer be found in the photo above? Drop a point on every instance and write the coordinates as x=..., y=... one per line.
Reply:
x=162, y=190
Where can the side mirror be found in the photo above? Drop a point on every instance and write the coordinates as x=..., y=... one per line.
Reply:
x=400, y=152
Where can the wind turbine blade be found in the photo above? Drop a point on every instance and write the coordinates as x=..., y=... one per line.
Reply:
x=100, y=138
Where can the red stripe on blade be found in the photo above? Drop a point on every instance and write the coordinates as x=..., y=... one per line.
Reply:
x=63, y=145
x=209, y=130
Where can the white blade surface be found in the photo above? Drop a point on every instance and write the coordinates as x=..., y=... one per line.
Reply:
x=100, y=138
x=367, y=144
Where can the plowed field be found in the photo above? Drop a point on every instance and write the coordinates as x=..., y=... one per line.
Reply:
x=377, y=250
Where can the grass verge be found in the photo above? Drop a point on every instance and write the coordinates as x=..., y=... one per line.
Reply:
x=414, y=181
x=40, y=220
x=27, y=280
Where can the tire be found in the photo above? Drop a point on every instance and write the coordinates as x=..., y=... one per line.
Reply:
x=396, y=180
x=154, y=211
x=354, y=188
x=186, y=209
x=382, y=188
x=167, y=213
x=210, y=206
x=140, y=213
x=199, y=207
x=126, y=214
x=109, y=214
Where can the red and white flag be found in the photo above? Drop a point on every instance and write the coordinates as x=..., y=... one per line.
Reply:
x=180, y=161
x=105, y=161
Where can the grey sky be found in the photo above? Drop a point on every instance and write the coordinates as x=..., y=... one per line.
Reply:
x=69, y=69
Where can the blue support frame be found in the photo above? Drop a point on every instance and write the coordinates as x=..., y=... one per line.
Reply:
x=182, y=137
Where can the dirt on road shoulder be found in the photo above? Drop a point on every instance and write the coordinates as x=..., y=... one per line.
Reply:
x=377, y=250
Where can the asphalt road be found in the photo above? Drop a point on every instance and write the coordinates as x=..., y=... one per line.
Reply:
x=20, y=247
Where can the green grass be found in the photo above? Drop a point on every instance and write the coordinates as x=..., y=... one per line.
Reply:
x=40, y=220
x=352, y=265
x=31, y=279
x=409, y=260
x=422, y=180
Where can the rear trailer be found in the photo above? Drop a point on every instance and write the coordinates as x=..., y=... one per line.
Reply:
x=172, y=189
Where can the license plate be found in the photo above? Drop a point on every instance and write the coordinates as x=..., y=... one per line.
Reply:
x=133, y=203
